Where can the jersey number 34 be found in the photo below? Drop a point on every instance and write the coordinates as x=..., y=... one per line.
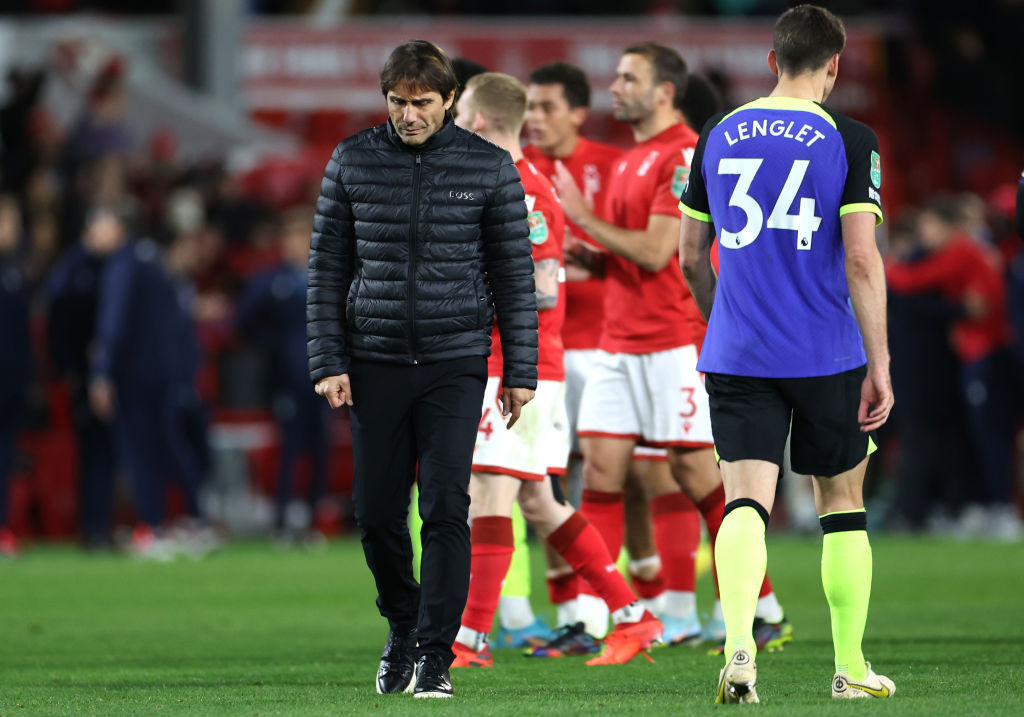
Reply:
x=804, y=222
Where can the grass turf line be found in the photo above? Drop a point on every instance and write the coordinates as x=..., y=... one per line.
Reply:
x=256, y=631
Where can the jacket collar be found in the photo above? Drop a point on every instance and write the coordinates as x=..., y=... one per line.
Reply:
x=440, y=138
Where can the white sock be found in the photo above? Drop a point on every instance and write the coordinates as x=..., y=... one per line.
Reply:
x=515, y=612
x=649, y=565
x=679, y=603
x=568, y=612
x=768, y=608
x=654, y=605
x=472, y=639
x=631, y=613
x=593, y=613
x=716, y=613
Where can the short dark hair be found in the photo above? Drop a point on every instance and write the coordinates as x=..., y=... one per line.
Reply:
x=805, y=37
x=701, y=102
x=945, y=207
x=422, y=65
x=573, y=80
x=669, y=66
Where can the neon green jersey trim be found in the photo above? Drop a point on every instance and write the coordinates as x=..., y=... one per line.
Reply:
x=871, y=445
x=785, y=103
x=694, y=213
x=862, y=207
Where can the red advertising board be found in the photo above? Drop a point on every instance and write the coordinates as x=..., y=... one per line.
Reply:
x=304, y=68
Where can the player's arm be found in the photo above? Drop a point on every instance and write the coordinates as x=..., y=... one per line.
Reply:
x=865, y=275
x=545, y=276
x=697, y=232
x=696, y=238
x=651, y=248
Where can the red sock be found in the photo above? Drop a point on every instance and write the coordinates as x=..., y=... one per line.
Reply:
x=607, y=513
x=677, y=535
x=766, y=587
x=648, y=589
x=711, y=507
x=581, y=545
x=563, y=588
x=491, y=554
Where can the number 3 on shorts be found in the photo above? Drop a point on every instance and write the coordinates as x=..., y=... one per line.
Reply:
x=805, y=223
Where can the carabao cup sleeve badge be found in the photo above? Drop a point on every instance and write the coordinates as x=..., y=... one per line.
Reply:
x=538, y=227
x=679, y=180
x=876, y=170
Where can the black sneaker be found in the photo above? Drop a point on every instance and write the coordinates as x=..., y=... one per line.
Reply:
x=432, y=677
x=397, y=669
x=571, y=640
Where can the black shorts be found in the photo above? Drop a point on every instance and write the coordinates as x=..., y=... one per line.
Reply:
x=751, y=418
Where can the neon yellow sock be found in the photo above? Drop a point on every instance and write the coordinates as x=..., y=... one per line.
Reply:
x=740, y=559
x=415, y=526
x=517, y=580
x=846, y=577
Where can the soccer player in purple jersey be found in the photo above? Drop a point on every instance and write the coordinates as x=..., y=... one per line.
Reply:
x=796, y=332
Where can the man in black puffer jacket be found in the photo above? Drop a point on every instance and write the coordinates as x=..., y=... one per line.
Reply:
x=420, y=238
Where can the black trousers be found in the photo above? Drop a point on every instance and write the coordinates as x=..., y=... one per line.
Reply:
x=403, y=417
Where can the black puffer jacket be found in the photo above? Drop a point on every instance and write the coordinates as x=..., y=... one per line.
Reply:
x=415, y=249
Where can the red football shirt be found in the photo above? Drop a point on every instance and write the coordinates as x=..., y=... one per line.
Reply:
x=590, y=165
x=547, y=227
x=647, y=312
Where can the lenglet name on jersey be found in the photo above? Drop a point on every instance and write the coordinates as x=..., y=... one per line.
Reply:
x=776, y=128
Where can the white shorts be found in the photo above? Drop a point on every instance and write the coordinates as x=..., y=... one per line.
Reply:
x=533, y=448
x=579, y=365
x=656, y=399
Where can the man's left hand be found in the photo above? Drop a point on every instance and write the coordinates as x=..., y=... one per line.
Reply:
x=512, y=402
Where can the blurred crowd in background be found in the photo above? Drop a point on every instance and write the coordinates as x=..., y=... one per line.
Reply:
x=152, y=314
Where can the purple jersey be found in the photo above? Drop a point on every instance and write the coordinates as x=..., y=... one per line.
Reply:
x=775, y=176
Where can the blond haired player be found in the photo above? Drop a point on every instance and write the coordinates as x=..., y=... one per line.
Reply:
x=514, y=464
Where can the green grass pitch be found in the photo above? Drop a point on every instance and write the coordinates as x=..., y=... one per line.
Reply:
x=255, y=631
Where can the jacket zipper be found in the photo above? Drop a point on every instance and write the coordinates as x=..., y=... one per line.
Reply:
x=412, y=254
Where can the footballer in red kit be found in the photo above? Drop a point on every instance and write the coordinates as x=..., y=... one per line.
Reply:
x=512, y=463
x=558, y=98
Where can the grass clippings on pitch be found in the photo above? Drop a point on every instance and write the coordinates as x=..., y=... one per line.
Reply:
x=257, y=631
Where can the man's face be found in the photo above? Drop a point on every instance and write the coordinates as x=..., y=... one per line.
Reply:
x=549, y=119
x=416, y=114
x=633, y=89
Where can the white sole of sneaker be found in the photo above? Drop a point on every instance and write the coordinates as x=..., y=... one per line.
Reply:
x=736, y=682
x=432, y=695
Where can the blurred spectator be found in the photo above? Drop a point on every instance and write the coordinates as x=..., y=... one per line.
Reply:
x=928, y=417
x=72, y=292
x=969, y=275
x=25, y=86
x=272, y=313
x=1020, y=207
x=143, y=373
x=15, y=356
